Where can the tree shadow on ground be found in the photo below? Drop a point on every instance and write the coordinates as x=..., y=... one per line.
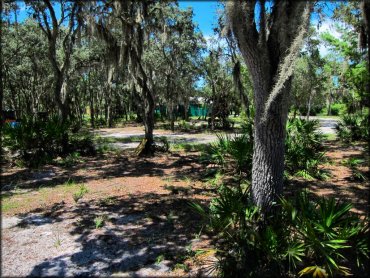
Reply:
x=113, y=166
x=136, y=231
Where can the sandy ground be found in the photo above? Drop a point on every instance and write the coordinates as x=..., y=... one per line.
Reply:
x=149, y=228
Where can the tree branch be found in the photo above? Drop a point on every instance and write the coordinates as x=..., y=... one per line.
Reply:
x=286, y=66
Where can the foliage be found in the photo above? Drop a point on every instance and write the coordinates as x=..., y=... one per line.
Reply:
x=80, y=193
x=38, y=141
x=303, y=147
x=321, y=233
x=337, y=109
x=232, y=152
x=352, y=127
x=353, y=164
x=303, y=150
x=99, y=222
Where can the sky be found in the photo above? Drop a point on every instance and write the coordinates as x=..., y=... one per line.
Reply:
x=204, y=14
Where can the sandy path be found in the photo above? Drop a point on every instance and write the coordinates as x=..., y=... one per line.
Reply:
x=327, y=126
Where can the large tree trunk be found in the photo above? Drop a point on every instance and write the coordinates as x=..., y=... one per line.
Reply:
x=268, y=152
x=270, y=60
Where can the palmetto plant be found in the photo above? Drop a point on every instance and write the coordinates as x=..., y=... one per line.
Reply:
x=36, y=140
x=352, y=127
x=304, y=149
x=232, y=152
x=328, y=231
x=310, y=237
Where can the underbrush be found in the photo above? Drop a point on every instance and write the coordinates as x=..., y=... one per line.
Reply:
x=319, y=237
x=303, y=151
x=353, y=127
x=35, y=142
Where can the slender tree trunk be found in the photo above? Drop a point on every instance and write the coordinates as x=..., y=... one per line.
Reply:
x=172, y=116
x=186, y=109
x=149, y=108
x=329, y=103
x=1, y=70
x=309, y=106
x=92, y=110
x=62, y=107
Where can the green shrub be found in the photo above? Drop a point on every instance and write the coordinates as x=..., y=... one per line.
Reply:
x=82, y=143
x=99, y=222
x=353, y=164
x=39, y=141
x=313, y=111
x=232, y=152
x=184, y=125
x=337, y=109
x=303, y=149
x=71, y=159
x=352, y=127
x=80, y=193
x=321, y=233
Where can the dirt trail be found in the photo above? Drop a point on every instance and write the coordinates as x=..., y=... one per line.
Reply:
x=327, y=126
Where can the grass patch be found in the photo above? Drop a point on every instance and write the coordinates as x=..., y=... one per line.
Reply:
x=110, y=140
x=99, y=221
x=13, y=203
x=188, y=147
x=10, y=204
x=330, y=137
x=80, y=193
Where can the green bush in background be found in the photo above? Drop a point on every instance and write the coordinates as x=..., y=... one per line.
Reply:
x=38, y=141
x=352, y=127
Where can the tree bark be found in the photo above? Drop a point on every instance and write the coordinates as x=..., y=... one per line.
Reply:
x=269, y=60
x=186, y=108
x=148, y=121
x=309, y=106
x=268, y=153
x=172, y=116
